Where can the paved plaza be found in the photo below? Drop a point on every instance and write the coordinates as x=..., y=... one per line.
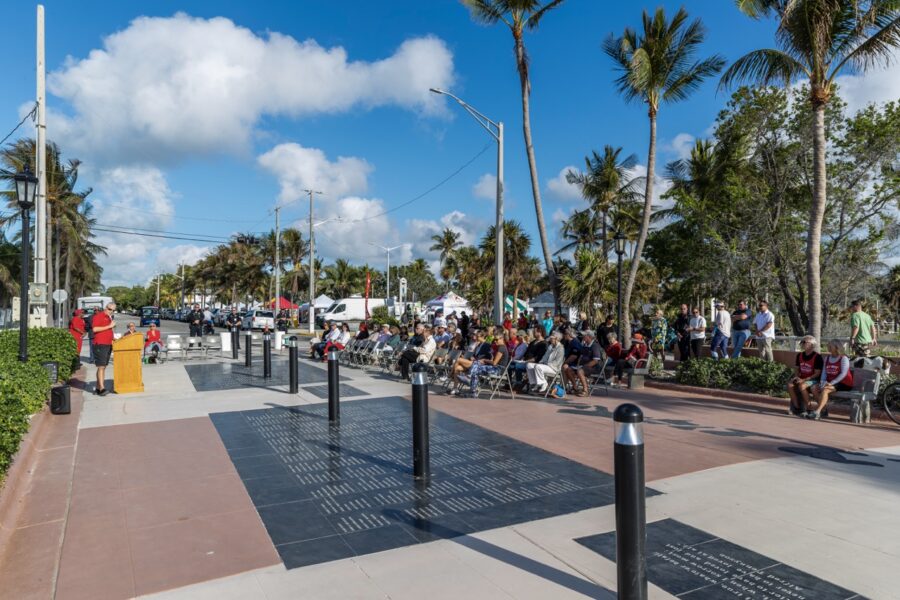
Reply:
x=218, y=483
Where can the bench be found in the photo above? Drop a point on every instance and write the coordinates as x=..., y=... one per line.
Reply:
x=864, y=392
x=637, y=375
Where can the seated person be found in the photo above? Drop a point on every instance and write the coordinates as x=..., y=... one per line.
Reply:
x=481, y=352
x=419, y=335
x=591, y=355
x=318, y=350
x=807, y=374
x=420, y=353
x=534, y=352
x=488, y=367
x=153, y=343
x=130, y=330
x=442, y=338
x=636, y=353
x=394, y=340
x=384, y=334
x=363, y=332
x=339, y=343
x=548, y=365
x=836, y=376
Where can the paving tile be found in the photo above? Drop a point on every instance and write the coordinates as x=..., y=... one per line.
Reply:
x=295, y=522
x=96, y=560
x=172, y=467
x=29, y=559
x=311, y=552
x=205, y=496
x=198, y=549
x=46, y=496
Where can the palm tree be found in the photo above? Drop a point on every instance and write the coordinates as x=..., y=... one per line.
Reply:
x=446, y=243
x=342, y=279
x=657, y=66
x=295, y=249
x=467, y=265
x=817, y=39
x=516, y=246
x=583, y=229
x=607, y=182
x=585, y=283
x=520, y=15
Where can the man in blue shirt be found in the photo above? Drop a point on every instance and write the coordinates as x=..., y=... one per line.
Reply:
x=740, y=328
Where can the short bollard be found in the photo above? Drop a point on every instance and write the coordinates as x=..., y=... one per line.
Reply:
x=293, y=384
x=334, y=394
x=235, y=342
x=421, y=460
x=631, y=518
x=267, y=355
x=248, y=356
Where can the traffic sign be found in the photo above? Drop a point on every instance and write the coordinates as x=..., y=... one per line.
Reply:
x=60, y=296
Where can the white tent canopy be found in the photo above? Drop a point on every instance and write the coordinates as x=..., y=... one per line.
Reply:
x=323, y=301
x=449, y=302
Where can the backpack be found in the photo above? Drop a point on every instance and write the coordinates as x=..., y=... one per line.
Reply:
x=559, y=391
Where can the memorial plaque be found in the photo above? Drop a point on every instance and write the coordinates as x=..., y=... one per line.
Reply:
x=691, y=563
x=326, y=493
x=212, y=377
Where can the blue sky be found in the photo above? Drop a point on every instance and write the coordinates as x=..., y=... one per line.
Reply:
x=172, y=115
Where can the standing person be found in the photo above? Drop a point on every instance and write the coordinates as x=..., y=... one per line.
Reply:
x=863, y=333
x=682, y=330
x=464, y=325
x=233, y=321
x=207, y=320
x=548, y=323
x=103, y=325
x=507, y=321
x=765, y=331
x=77, y=330
x=659, y=328
x=697, y=329
x=522, y=322
x=719, y=348
x=836, y=377
x=740, y=328
x=607, y=327
x=88, y=322
x=195, y=321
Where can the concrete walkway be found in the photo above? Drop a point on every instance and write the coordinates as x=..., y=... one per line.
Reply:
x=160, y=504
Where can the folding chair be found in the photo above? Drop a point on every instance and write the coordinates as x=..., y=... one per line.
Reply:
x=347, y=353
x=173, y=346
x=213, y=343
x=437, y=359
x=385, y=357
x=194, y=345
x=441, y=370
x=495, y=380
x=557, y=378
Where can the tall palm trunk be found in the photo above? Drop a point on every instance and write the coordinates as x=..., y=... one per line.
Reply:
x=522, y=64
x=642, y=235
x=816, y=215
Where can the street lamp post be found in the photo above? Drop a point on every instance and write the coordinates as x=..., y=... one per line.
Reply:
x=620, y=250
x=388, y=250
x=26, y=187
x=495, y=129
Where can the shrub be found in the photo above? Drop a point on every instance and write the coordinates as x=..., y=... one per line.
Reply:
x=380, y=315
x=23, y=389
x=44, y=345
x=745, y=374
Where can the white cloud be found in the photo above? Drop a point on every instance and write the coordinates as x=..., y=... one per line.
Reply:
x=170, y=258
x=878, y=85
x=486, y=187
x=420, y=231
x=164, y=88
x=298, y=168
x=661, y=185
x=354, y=224
x=561, y=189
x=681, y=145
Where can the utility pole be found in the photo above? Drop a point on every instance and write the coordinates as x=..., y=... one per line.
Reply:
x=157, y=289
x=277, y=262
x=182, y=288
x=312, y=265
x=41, y=243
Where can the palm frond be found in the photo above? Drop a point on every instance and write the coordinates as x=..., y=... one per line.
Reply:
x=763, y=67
x=534, y=19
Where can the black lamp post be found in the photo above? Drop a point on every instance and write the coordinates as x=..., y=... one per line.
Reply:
x=26, y=188
x=620, y=250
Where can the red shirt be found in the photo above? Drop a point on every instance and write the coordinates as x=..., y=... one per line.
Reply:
x=614, y=351
x=152, y=336
x=105, y=337
x=507, y=324
x=637, y=352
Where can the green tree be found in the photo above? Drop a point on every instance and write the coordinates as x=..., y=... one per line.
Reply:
x=519, y=16
x=516, y=246
x=446, y=244
x=656, y=66
x=818, y=39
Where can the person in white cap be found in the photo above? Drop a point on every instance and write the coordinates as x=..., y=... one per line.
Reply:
x=719, y=347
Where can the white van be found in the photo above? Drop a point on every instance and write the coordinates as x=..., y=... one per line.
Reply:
x=95, y=302
x=351, y=309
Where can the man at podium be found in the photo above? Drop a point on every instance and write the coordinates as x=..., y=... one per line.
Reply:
x=129, y=350
x=103, y=325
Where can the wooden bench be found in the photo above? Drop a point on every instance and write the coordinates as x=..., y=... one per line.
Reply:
x=865, y=390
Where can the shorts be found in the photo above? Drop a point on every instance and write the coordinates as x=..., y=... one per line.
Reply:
x=843, y=387
x=859, y=349
x=102, y=353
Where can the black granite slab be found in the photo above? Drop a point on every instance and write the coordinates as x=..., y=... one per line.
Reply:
x=211, y=377
x=691, y=563
x=332, y=492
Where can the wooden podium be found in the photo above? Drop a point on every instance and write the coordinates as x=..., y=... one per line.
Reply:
x=127, y=353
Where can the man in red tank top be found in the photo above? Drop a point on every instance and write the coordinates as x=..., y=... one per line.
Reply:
x=806, y=374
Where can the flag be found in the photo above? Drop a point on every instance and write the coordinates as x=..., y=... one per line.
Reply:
x=368, y=286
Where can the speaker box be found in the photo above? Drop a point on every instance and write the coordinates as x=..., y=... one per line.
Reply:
x=60, y=400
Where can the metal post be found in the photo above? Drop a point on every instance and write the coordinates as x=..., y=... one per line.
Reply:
x=267, y=355
x=631, y=518
x=421, y=460
x=235, y=342
x=40, y=159
x=334, y=392
x=499, y=297
x=619, y=305
x=293, y=384
x=277, y=304
x=248, y=357
x=23, y=294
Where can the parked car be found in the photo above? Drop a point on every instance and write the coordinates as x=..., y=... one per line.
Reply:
x=257, y=319
x=149, y=314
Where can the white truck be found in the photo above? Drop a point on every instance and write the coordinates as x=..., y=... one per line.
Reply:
x=93, y=303
x=350, y=310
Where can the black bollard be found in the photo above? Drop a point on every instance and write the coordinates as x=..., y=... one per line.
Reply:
x=334, y=392
x=631, y=517
x=421, y=460
x=235, y=342
x=267, y=355
x=248, y=356
x=293, y=384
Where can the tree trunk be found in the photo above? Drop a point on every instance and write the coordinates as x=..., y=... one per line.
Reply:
x=816, y=215
x=522, y=64
x=605, y=241
x=642, y=235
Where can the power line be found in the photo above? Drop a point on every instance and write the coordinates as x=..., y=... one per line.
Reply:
x=31, y=114
x=156, y=235
x=199, y=235
x=426, y=192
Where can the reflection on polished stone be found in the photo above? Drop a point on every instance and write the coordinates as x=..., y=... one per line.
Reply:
x=328, y=492
x=211, y=377
x=691, y=563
